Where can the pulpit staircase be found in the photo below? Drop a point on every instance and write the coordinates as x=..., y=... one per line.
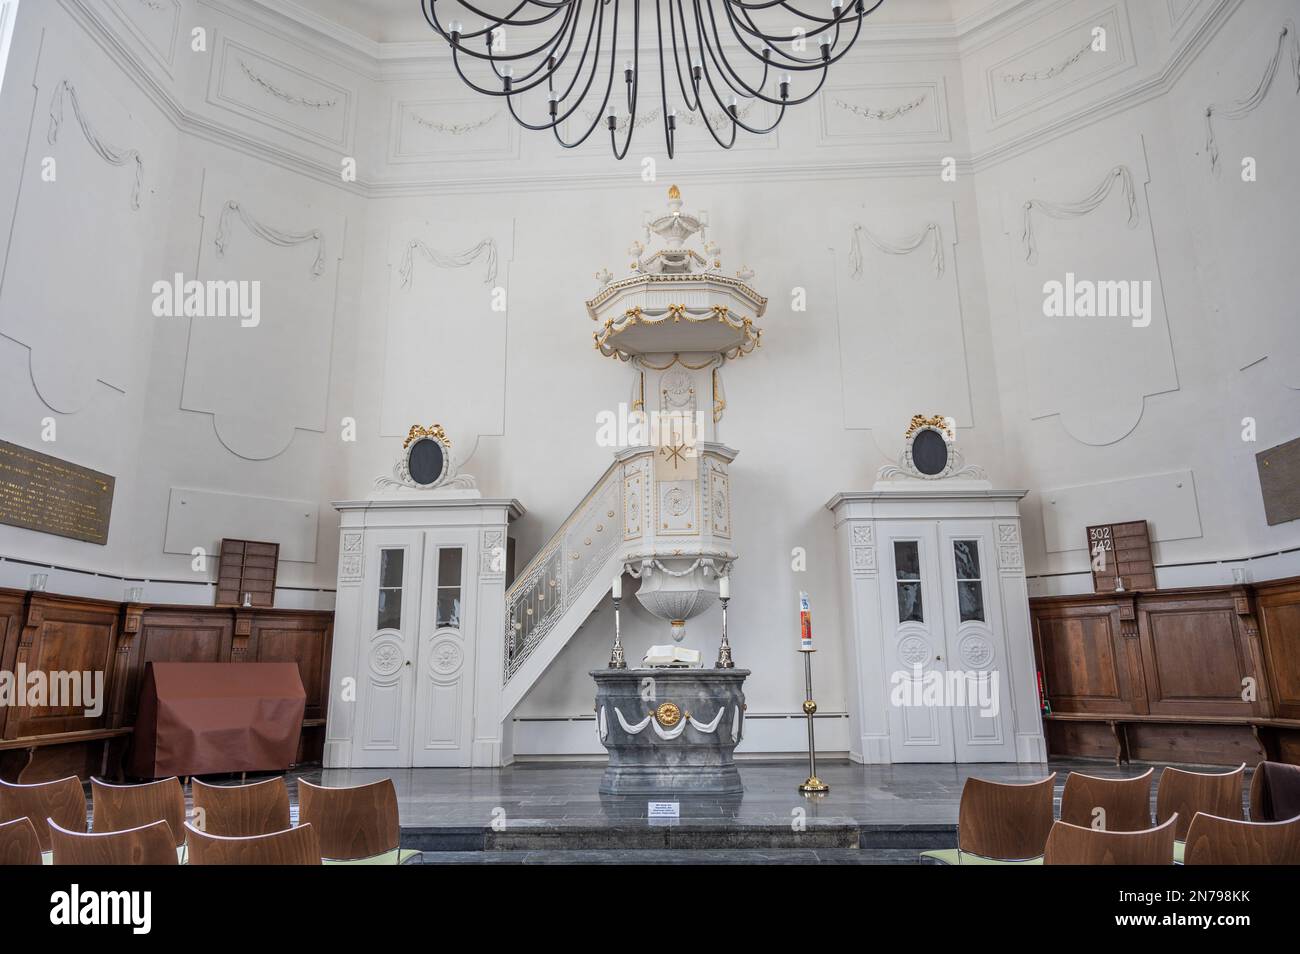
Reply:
x=564, y=583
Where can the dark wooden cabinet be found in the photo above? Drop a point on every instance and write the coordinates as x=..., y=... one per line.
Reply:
x=1207, y=674
x=50, y=633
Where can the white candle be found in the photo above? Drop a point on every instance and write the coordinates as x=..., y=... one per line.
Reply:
x=724, y=587
x=616, y=590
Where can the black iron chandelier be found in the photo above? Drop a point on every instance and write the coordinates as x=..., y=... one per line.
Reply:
x=573, y=79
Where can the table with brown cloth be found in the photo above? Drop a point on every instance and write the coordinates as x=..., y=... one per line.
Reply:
x=215, y=718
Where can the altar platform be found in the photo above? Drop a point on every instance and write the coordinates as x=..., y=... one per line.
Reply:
x=551, y=812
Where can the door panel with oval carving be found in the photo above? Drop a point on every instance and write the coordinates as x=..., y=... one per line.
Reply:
x=444, y=697
x=391, y=614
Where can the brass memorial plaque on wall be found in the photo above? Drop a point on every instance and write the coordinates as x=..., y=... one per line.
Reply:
x=43, y=493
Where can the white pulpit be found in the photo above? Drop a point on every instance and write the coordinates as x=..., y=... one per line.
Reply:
x=940, y=651
x=417, y=659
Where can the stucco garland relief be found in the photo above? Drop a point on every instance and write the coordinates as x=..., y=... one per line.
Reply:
x=882, y=114
x=1059, y=65
x=931, y=233
x=1063, y=354
x=291, y=98
x=1288, y=46
x=267, y=233
x=269, y=89
x=453, y=129
x=486, y=247
x=113, y=155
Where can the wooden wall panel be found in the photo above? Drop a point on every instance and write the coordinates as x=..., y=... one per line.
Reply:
x=1084, y=658
x=1194, y=659
x=1279, y=618
x=61, y=634
x=1203, y=675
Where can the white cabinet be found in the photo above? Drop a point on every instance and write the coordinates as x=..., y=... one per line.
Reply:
x=939, y=648
x=418, y=632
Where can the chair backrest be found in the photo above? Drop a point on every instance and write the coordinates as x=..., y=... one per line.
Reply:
x=1275, y=792
x=1006, y=821
x=151, y=844
x=64, y=801
x=240, y=811
x=1124, y=803
x=18, y=843
x=1227, y=841
x=1078, y=845
x=122, y=807
x=293, y=846
x=355, y=822
x=1184, y=793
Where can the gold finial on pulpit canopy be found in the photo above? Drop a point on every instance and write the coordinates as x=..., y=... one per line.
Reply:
x=674, y=192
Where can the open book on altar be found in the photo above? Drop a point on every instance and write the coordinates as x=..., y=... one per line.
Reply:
x=671, y=656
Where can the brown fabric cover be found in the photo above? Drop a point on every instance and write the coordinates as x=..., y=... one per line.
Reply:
x=210, y=718
x=1280, y=795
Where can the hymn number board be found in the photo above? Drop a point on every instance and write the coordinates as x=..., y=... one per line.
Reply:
x=1121, y=554
x=247, y=568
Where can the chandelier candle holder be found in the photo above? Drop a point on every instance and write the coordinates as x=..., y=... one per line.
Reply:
x=616, y=660
x=724, y=651
x=711, y=55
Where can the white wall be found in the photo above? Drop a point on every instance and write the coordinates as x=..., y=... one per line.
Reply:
x=268, y=113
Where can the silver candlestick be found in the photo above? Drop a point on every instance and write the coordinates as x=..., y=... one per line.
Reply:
x=616, y=660
x=724, y=651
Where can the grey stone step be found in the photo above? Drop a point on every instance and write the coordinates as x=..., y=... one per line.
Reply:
x=679, y=856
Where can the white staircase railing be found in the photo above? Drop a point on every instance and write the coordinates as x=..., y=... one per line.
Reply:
x=564, y=582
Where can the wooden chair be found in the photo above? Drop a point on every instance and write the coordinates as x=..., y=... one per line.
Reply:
x=1079, y=845
x=18, y=843
x=122, y=807
x=241, y=811
x=1125, y=802
x=1000, y=823
x=147, y=845
x=1274, y=792
x=356, y=825
x=1226, y=841
x=64, y=801
x=1184, y=793
x=293, y=846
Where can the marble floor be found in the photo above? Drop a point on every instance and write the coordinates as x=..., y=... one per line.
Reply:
x=536, y=813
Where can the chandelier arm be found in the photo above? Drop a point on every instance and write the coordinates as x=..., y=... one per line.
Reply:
x=729, y=111
x=595, y=65
x=495, y=21
x=724, y=66
x=670, y=123
x=554, y=68
x=686, y=97
x=514, y=88
x=632, y=86
x=586, y=46
x=569, y=27
x=789, y=60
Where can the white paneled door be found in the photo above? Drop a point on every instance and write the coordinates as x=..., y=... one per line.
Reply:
x=390, y=613
x=911, y=607
x=975, y=640
x=414, y=694
x=444, y=695
x=947, y=692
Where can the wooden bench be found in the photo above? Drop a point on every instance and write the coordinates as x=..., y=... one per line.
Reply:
x=18, y=769
x=1119, y=725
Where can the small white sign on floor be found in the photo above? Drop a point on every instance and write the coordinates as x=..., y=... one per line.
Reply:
x=661, y=810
